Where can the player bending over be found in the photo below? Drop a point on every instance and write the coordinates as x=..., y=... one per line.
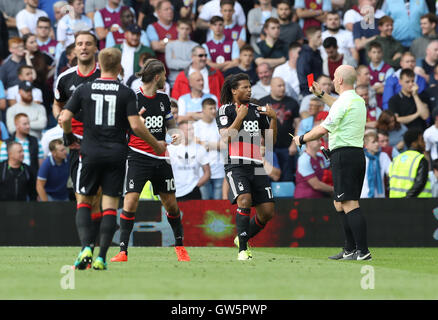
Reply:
x=242, y=125
x=144, y=163
x=109, y=109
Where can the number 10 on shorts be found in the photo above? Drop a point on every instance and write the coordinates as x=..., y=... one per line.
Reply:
x=170, y=184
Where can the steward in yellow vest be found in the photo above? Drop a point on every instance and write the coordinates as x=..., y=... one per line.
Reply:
x=408, y=172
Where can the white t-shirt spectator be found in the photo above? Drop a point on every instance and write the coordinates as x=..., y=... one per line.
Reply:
x=209, y=132
x=352, y=16
x=13, y=94
x=289, y=75
x=431, y=139
x=344, y=39
x=212, y=8
x=187, y=162
x=26, y=19
x=50, y=135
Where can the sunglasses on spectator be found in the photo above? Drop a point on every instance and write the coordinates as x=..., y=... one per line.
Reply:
x=202, y=55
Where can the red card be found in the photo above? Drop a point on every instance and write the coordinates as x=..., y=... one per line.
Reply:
x=310, y=79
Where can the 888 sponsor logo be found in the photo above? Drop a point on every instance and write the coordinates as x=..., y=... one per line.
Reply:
x=252, y=127
x=154, y=123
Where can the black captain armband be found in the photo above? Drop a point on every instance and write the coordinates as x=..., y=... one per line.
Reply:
x=302, y=140
x=69, y=139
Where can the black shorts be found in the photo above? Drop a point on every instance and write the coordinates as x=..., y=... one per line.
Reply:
x=348, y=170
x=74, y=164
x=194, y=195
x=141, y=168
x=92, y=175
x=244, y=179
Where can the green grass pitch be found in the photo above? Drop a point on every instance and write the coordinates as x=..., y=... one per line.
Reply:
x=215, y=274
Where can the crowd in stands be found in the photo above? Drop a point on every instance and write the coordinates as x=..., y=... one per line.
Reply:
x=393, y=45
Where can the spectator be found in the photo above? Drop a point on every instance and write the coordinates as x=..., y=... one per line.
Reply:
x=365, y=10
x=363, y=78
x=431, y=138
x=222, y=54
x=45, y=42
x=163, y=31
x=315, y=107
x=213, y=79
x=344, y=38
x=116, y=34
x=187, y=160
x=273, y=51
x=406, y=19
x=178, y=52
x=333, y=58
x=70, y=60
x=212, y=8
x=373, y=111
x=387, y=122
x=430, y=95
x=47, y=7
x=59, y=12
x=383, y=139
x=428, y=24
x=246, y=64
x=407, y=105
x=207, y=135
x=133, y=81
x=10, y=10
x=53, y=174
x=377, y=166
x=25, y=73
x=392, y=84
x=108, y=20
x=27, y=18
x=310, y=60
x=408, y=173
x=379, y=70
x=257, y=18
x=2, y=101
x=433, y=178
x=312, y=14
x=326, y=84
x=14, y=172
x=232, y=30
x=288, y=120
x=35, y=112
x=148, y=13
x=92, y=6
x=4, y=37
x=33, y=151
x=9, y=67
x=73, y=22
x=190, y=104
x=310, y=171
x=44, y=66
x=4, y=135
x=131, y=50
x=48, y=136
x=174, y=109
x=426, y=65
x=290, y=31
x=288, y=70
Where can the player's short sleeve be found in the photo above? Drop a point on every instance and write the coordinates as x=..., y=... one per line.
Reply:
x=43, y=171
x=74, y=104
x=131, y=103
x=224, y=118
x=152, y=33
x=304, y=167
x=98, y=21
x=60, y=93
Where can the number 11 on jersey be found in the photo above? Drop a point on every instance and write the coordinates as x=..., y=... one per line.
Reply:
x=111, y=99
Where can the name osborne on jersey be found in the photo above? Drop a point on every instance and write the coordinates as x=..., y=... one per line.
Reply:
x=105, y=86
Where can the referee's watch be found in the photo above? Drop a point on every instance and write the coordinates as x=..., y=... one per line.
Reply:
x=321, y=95
x=302, y=140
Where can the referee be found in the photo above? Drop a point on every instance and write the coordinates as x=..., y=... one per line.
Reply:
x=345, y=125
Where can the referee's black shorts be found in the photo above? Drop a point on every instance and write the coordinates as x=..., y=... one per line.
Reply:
x=348, y=170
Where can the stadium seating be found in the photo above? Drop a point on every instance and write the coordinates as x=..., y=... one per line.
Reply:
x=283, y=189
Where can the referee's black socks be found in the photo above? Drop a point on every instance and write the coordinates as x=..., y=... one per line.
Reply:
x=107, y=229
x=359, y=227
x=126, y=225
x=350, y=244
x=84, y=224
x=242, y=225
x=177, y=228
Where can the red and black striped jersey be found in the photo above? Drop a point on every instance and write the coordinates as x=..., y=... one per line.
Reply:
x=245, y=147
x=156, y=113
x=66, y=84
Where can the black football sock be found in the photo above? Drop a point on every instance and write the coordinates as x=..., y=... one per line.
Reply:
x=126, y=225
x=359, y=229
x=107, y=229
x=255, y=227
x=177, y=228
x=96, y=218
x=242, y=225
x=350, y=244
x=84, y=224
